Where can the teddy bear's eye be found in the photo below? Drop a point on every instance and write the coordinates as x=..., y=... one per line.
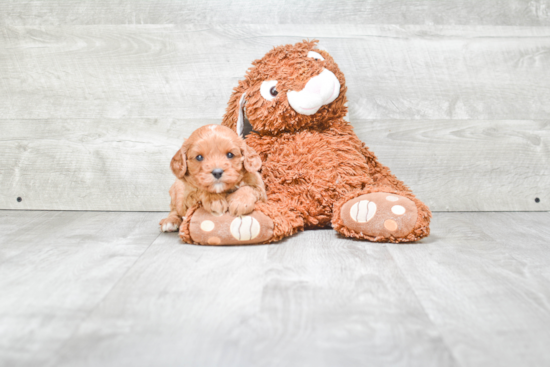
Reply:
x=230, y=155
x=268, y=90
x=199, y=158
x=315, y=55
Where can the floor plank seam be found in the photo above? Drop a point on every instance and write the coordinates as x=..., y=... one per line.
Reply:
x=92, y=310
x=440, y=333
x=43, y=221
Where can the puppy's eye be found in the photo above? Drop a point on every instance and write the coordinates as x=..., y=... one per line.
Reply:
x=199, y=158
x=268, y=90
x=315, y=55
x=230, y=155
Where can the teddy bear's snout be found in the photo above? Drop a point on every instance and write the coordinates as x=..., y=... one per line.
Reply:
x=318, y=91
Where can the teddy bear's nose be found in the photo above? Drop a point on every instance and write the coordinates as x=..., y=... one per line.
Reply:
x=218, y=172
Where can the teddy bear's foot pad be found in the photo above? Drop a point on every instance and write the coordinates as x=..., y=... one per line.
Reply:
x=380, y=215
x=208, y=229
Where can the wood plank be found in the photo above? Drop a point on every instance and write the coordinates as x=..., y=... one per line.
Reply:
x=90, y=164
x=467, y=165
x=15, y=222
x=53, y=273
x=315, y=299
x=189, y=71
x=470, y=12
x=483, y=280
x=84, y=290
x=524, y=237
x=20, y=227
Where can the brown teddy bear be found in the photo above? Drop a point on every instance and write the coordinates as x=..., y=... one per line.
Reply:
x=291, y=107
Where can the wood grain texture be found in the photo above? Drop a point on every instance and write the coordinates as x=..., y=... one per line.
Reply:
x=91, y=114
x=123, y=164
x=87, y=289
x=189, y=71
x=483, y=280
x=314, y=300
x=90, y=164
x=55, y=267
x=467, y=165
x=465, y=12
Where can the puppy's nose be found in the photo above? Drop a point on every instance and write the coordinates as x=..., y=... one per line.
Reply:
x=218, y=172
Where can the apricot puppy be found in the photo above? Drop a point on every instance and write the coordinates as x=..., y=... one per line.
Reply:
x=216, y=168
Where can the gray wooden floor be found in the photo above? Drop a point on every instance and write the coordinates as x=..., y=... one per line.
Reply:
x=106, y=289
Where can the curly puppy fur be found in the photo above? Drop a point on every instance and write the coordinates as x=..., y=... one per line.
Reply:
x=216, y=168
x=312, y=162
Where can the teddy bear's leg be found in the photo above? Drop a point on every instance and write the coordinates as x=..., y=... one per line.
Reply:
x=382, y=214
x=285, y=222
x=264, y=225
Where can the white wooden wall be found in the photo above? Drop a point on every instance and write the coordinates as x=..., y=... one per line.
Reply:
x=97, y=95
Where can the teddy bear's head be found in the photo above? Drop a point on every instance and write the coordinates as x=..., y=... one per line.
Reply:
x=293, y=87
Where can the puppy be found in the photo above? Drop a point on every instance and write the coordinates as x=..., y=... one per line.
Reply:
x=216, y=168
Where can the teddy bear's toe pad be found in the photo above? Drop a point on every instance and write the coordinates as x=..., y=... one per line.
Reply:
x=208, y=229
x=380, y=214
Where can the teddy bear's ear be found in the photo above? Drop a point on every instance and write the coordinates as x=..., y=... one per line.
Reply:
x=241, y=116
x=179, y=162
x=252, y=161
x=235, y=115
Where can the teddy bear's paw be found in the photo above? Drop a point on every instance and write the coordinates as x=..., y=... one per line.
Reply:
x=208, y=229
x=380, y=215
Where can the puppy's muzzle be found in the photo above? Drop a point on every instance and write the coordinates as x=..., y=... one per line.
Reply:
x=217, y=173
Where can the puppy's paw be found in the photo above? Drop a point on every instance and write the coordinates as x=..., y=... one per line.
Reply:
x=241, y=205
x=217, y=207
x=170, y=224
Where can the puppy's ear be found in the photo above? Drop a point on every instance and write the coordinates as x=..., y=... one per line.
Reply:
x=179, y=162
x=252, y=161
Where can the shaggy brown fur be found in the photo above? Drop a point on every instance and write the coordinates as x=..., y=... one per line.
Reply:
x=237, y=189
x=313, y=163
